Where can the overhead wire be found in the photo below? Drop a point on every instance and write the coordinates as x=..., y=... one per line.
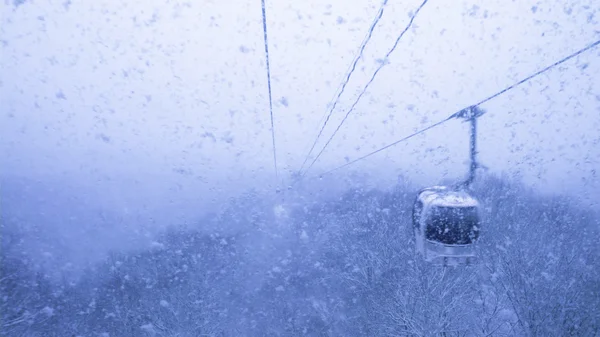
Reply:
x=381, y=65
x=390, y=145
x=345, y=81
x=264, y=20
x=461, y=112
x=588, y=47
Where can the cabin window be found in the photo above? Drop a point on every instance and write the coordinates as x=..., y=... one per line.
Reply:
x=453, y=225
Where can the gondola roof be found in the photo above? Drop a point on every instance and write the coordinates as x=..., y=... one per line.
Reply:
x=444, y=196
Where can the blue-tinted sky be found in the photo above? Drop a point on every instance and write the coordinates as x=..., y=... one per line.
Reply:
x=147, y=101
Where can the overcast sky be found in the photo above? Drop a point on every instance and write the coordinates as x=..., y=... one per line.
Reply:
x=173, y=94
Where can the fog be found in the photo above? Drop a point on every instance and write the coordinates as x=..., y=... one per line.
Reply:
x=138, y=194
x=156, y=113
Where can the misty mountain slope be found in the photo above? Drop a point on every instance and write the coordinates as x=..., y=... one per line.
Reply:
x=64, y=224
x=344, y=266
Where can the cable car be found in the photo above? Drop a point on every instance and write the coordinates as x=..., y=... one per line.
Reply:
x=446, y=225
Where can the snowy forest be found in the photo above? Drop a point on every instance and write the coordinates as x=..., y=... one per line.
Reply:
x=344, y=265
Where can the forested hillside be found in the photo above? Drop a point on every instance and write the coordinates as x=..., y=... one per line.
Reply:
x=342, y=267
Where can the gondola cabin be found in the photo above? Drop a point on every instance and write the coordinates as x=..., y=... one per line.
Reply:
x=446, y=224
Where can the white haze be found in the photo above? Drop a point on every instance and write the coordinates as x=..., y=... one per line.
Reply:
x=156, y=112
